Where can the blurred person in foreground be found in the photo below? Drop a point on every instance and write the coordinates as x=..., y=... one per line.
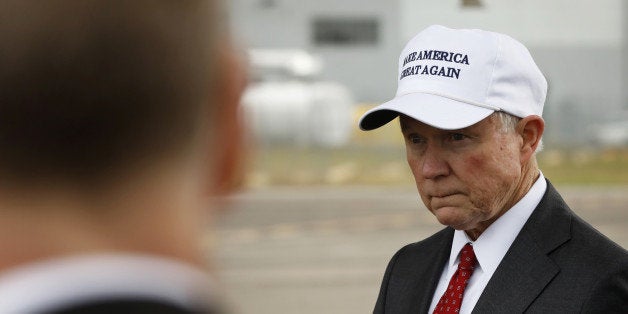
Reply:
x=470, y=104
x=118, y=123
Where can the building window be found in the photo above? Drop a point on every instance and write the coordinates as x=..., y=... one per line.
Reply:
x=344, y=31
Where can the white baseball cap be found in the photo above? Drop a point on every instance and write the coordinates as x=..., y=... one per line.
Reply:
x=453, y=78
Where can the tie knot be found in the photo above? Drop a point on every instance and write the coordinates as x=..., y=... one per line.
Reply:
x=467, y=257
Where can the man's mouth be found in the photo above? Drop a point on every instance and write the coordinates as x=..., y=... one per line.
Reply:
x=443, y=195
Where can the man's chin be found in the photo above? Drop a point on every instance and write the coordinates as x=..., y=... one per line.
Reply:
x=451, y=216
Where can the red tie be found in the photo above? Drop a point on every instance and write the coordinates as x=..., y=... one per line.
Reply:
x=452, y=298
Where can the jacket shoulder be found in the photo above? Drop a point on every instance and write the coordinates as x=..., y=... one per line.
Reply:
x=441, y=240
x=411, y=275
x=592, y=268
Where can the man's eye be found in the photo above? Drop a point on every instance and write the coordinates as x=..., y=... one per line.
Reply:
x=415, y=139
x=457, y=136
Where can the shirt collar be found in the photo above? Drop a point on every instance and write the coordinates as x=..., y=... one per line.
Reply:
x=48, y=284
x=492, y=245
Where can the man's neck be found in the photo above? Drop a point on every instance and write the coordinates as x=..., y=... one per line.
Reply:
x=159, y=219
x=529, y=174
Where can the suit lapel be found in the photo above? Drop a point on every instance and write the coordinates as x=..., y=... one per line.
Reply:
x=526, y=268
x=417, y=273
x=436, y=262
x=521, y=277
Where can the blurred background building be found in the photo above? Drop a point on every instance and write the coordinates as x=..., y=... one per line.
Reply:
x=578, y=44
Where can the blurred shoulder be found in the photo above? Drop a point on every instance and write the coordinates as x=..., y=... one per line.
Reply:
x=128, y=306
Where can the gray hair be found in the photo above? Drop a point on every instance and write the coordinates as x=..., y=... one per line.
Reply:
x=509, y=123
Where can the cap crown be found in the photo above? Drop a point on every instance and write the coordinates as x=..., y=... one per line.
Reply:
x=480, y=68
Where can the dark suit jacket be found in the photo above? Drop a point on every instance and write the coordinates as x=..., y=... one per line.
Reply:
x=557, y=264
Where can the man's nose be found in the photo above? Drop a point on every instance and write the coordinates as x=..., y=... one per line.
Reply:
x=434, y=164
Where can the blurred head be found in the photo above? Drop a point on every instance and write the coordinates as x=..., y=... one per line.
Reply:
x=91, y=91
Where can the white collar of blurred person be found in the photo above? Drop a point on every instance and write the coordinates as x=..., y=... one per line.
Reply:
x=65, y=281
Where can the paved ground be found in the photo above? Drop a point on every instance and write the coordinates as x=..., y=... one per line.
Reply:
x=324, y=250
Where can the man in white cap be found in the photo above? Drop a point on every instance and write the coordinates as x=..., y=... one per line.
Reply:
x=470, y=104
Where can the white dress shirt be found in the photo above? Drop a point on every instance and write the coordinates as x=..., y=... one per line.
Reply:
x=46, y=285
x=489, y=248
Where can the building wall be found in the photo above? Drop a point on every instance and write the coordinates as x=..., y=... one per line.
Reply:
x=369, y=70
x=585, y=86
x=533, y=22
x=624, y=53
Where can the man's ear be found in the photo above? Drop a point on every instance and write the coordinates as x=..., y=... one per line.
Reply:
x=228, y=152
x=531, y=130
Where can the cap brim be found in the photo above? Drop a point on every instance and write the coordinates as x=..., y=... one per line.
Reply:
x=437, y=111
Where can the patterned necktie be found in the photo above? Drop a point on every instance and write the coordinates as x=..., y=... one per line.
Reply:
x=452, y=298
